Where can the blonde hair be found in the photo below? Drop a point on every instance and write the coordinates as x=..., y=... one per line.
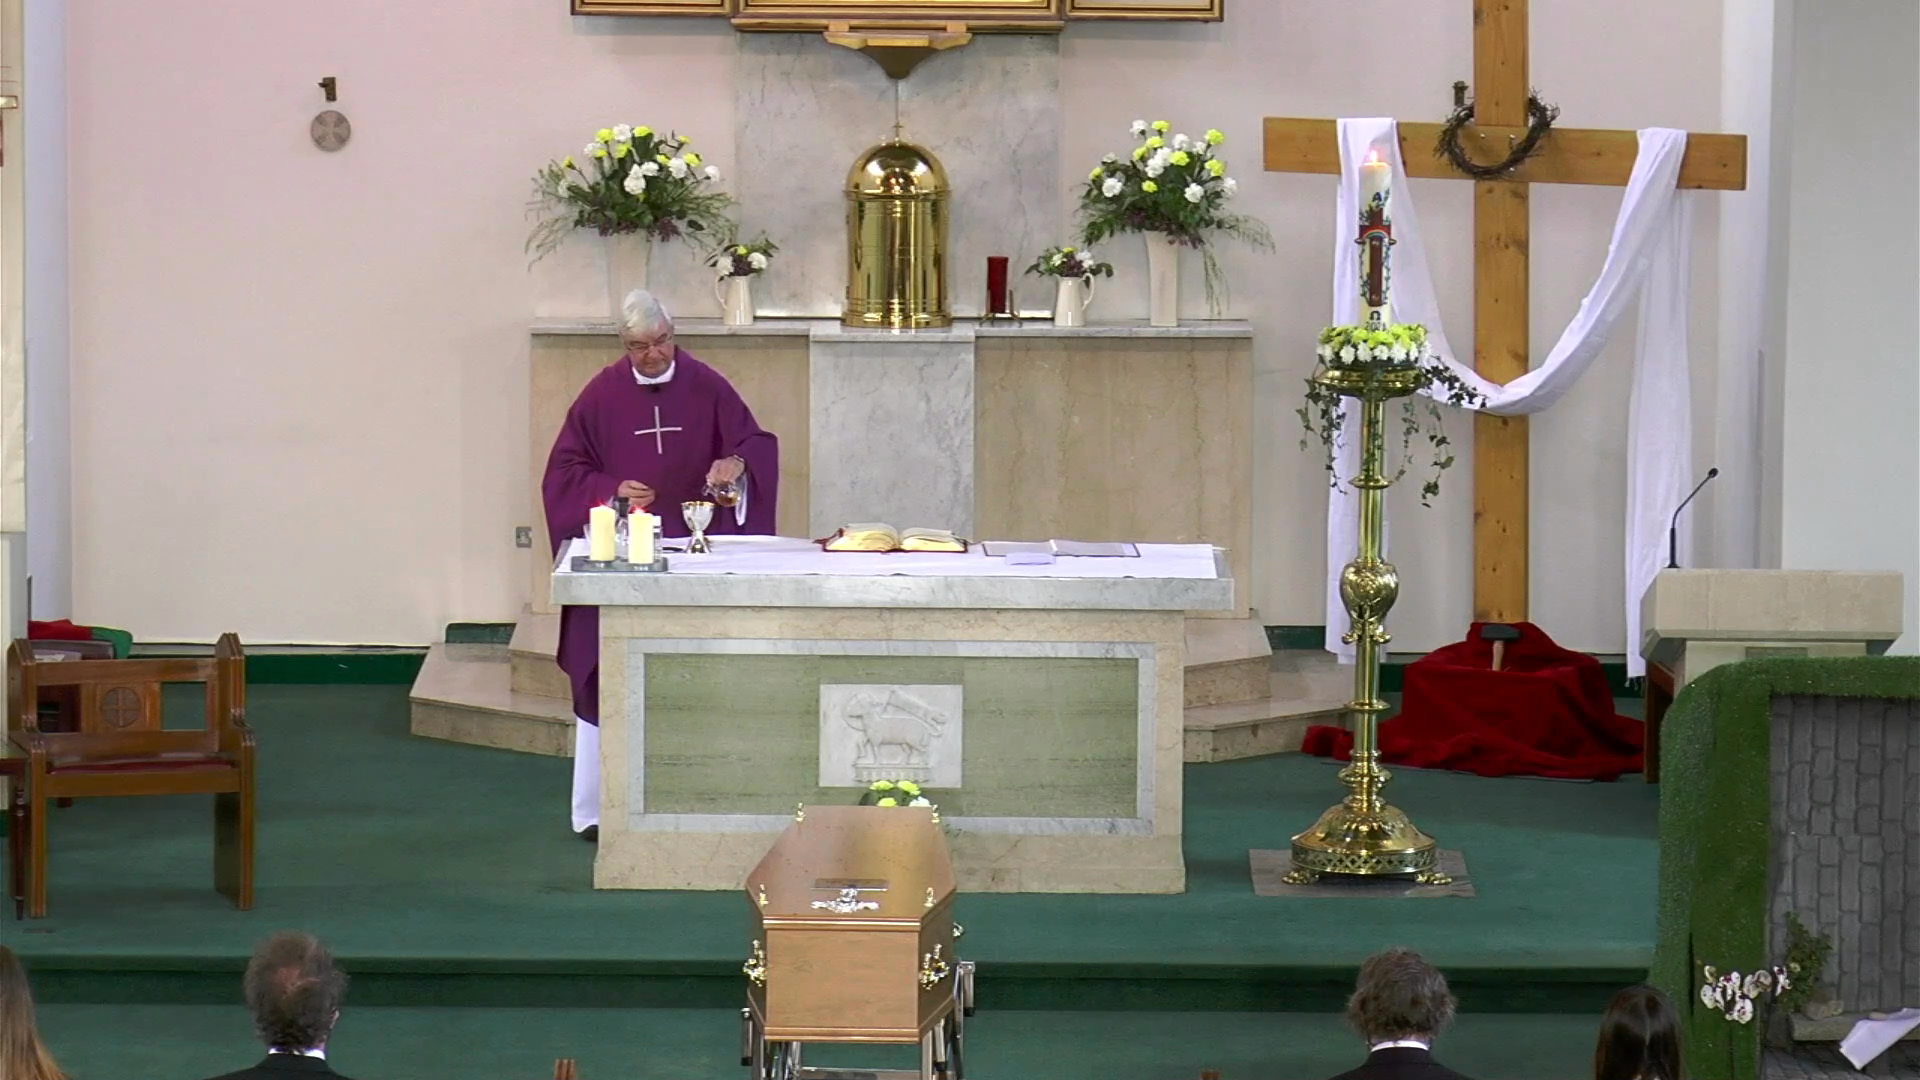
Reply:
x=22, y=1055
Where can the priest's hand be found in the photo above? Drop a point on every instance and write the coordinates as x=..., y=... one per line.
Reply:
x=726, y=470
x=637, y=493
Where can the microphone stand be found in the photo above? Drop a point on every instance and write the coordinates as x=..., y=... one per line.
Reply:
x=1673, y=527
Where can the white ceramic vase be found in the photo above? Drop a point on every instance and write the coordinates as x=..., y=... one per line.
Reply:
x=735, y=293
x=1070, y=302
x=627, y=256
x=1163, y=280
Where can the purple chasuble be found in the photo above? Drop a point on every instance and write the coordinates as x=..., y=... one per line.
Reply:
x=665, y=436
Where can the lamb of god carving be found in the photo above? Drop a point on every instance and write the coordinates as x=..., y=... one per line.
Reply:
x=896, y=732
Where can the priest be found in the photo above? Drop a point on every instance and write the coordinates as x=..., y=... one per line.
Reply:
x=655, y=427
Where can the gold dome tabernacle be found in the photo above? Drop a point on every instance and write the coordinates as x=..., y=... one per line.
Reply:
x=897, y=209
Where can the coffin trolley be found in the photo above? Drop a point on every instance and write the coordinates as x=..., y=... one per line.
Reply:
x=854, y=942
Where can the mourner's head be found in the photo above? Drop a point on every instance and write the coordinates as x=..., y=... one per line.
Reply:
x=1399, y=996
x=646, y=332
x=1639, y=1037
x=294, y=990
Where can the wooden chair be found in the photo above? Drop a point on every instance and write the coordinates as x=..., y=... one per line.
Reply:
x=15, y=770
x=120, y=749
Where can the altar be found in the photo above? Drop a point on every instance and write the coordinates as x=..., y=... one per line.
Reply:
x=1039, y=707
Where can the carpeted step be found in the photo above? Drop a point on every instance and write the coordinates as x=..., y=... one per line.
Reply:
x=465, y=694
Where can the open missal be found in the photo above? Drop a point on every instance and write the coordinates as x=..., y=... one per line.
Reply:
x=874, y=536
x=996, y=548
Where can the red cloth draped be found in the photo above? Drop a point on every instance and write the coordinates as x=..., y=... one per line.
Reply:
x=1548, y=712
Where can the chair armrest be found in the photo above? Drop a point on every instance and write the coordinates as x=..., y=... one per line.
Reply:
x=30, y=744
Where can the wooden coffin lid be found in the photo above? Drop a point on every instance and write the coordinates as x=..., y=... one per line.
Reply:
x=893, y=855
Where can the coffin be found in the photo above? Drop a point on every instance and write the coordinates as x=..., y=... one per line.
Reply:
x=853, y=928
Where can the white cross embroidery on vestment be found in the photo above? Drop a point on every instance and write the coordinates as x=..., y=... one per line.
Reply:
x=659, y=445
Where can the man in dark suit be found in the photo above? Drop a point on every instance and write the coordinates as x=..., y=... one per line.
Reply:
x=1400, y=1002
x=294, y=990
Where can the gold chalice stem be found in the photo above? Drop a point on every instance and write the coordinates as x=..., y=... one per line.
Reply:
x=1363, y=834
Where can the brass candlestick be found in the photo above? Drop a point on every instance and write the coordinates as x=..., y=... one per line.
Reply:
x=1362, y=834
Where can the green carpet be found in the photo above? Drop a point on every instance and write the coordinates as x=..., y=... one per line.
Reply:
x=446, y=875
x=183, y=1042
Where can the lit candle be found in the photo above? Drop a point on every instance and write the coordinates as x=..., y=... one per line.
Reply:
x=640, y=537
x=600, y=521
x=1376, y=240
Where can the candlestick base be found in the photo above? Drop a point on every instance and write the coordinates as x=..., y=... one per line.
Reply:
x=583, y=565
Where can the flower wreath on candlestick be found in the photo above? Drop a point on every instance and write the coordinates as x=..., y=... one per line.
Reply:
x=1386, y=350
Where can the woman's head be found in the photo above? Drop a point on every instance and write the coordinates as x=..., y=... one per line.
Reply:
x=1639, y=1038
x=21, y=1054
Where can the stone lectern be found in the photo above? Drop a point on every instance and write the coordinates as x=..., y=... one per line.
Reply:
x=1692, y=621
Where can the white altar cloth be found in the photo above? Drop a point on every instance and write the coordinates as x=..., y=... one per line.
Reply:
x=780, y=556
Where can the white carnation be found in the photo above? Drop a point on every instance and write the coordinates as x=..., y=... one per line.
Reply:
x=1196, y=193
x=1181, y=142
x=1112, y=188
x=593, y=148
x=1155, y=167
x=1398, y=352
x=622, y=133
x=1346, y=354
x=649, y=168
x=678, y=167
x=920, y=800
x=1325, y=352
x=1139, y=127
x=757, y=260
x=1110, y=159
x=1229, y=185
x=635, y=183
x=712, y=172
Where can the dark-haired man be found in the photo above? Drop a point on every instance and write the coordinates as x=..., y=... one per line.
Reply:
x=1400, y=1002
x=294, y=990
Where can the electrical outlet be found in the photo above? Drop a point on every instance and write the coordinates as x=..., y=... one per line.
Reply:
x=523, y=536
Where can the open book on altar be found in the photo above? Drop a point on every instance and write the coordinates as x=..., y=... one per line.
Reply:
x=996, y=548
x=875, y=536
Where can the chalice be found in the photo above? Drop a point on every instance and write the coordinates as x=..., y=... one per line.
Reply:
x=698, y=515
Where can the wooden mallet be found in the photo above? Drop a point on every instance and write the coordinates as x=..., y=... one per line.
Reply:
x=1499, y=634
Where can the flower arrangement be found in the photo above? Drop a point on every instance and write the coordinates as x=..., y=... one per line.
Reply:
x=1733, y=995
x=743, y=260
x=1170, y=184
x=1393, y=348
x=634, y=180
x=1067, y=262
x=895, y=793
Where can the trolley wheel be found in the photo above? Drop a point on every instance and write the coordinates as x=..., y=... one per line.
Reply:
x=749, y=1039
x=952, y=1056
x=963, y=987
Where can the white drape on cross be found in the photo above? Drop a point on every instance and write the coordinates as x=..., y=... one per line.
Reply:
x=1648, y=257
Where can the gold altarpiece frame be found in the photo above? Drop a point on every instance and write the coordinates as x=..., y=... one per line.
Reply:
x=979, y=15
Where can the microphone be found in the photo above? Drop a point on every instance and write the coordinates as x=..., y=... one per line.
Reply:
x=1673, y=529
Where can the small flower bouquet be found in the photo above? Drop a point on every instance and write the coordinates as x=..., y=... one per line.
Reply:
x=894, y=793
x=1399, y=349
x=743, y=260
x=1174, y=185
x=629, y=180
x=1066, y=262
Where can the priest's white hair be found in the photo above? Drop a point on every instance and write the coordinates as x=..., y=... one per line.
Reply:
x=643, y=313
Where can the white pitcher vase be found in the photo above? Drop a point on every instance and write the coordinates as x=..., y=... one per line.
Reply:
x=1070, y=302
x=627, y=257
x=1163, y=280
x=735, y=293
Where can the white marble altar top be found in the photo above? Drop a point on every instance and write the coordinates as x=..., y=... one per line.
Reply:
x=771, y=571
x=961, y=330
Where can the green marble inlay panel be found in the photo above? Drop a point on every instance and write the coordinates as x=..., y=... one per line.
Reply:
x=1041, y=736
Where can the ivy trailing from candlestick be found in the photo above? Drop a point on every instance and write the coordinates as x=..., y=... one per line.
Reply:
x=1386, y=352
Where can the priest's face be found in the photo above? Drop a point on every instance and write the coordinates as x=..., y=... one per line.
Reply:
x=651, y=354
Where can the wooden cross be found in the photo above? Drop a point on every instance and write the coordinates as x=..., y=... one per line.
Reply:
x=1500, y=347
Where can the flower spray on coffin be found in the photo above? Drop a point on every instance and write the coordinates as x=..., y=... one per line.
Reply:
x=635, y=187
x=1176, y=192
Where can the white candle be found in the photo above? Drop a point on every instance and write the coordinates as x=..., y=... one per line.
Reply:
x=600, y=521
x=640, y=526
x=1376, y=201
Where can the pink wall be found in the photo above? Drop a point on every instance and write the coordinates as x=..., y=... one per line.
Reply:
x=298, y=378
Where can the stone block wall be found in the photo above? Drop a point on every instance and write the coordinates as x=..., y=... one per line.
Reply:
x=1846, y=840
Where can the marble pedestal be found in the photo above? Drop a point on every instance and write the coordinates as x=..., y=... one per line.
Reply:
x=1056, y=706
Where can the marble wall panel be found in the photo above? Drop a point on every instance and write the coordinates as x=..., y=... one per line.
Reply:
x=1117, y=439
x=893, y=433
x=990, y=112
